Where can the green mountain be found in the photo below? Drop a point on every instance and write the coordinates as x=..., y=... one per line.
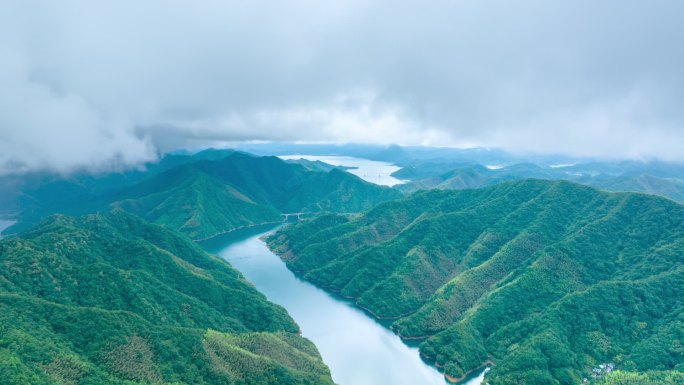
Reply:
x=292, y=188
x=210, y=193
x=658, y=179
x=33, y=196
x=111, y=299
x=192, y=201
x=648, y=378
x=545, y=279
x=669, y=187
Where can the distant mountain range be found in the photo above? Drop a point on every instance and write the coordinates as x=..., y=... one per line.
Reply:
x=205, y=194
x=656, y=178
x=180, y=188
x=546, y=279
x=455, y=168
x=111, y=299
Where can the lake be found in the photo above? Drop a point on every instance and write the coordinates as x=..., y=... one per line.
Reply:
x=369, y=170
x=358, y=350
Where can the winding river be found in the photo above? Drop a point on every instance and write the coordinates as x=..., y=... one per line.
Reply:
x=358, y=349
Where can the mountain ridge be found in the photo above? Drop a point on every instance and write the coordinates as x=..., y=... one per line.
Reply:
x=448, y=264
x=214, y=192
x=111, y=299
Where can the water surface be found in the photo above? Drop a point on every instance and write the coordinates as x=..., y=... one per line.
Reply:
x=358, y=350
x=370, y=170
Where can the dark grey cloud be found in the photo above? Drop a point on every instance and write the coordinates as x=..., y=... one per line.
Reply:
x=108, y=84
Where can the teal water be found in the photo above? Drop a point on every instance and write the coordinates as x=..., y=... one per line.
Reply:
x=358, y=350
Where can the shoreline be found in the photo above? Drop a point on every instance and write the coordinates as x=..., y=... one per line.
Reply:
x=338, y=293
x=455, y=380
x=235, y=229
x=427, y=359
x=412, y=338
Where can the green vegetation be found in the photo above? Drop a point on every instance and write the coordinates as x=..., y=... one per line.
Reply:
x=111, y=299
x=648, y=378
x=193, y=202
x=207, y=194
x=545, y=279
x=653, y=178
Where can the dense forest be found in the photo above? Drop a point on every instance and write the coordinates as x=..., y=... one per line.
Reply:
x=112, y=299
x=656, y=178
x=647, y=378
x=205, y=194
x=548, y=280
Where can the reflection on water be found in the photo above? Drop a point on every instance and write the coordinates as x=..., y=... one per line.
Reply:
x=370, y=170
x=358, y=350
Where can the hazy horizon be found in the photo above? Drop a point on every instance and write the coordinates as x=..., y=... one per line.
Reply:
x=112, y=84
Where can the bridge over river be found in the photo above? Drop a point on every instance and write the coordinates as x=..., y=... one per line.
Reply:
x=287, y=216
x=302, y=215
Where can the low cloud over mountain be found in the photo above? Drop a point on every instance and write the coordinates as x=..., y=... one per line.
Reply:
x=109, y=84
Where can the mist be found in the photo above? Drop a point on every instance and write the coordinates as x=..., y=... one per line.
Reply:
x=105, y=85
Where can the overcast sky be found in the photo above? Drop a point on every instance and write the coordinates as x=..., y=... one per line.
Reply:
x=100, y=83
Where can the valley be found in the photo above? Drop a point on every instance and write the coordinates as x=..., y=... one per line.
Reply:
x=539, y=277
x=204, y=194
x=360, y=192
x=366, y=264
x=358, y=350
x=112, y=299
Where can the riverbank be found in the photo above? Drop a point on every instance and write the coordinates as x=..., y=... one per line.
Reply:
x=480, y=370
x=237, y=229
x=386, y=322
x=357, y=348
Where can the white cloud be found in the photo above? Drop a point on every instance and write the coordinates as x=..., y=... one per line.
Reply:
x=102, y=84
x=41, y=128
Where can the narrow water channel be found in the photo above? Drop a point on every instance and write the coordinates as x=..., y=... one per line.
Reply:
x=358, y=350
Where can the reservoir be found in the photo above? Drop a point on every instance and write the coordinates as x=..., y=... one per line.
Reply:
x=358, y=350
x=370, y=170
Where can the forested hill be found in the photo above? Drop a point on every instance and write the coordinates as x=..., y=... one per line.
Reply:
x=111, y=299
x=546, y=279
x=207, y=194
x=664, y=179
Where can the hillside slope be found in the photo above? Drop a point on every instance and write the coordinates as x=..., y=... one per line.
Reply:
x=211, y=193
x=193, y=202
x=657, y=179
x=545, y=279
x=111, y=299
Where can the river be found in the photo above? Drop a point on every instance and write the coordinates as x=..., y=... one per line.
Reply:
x=358, y=350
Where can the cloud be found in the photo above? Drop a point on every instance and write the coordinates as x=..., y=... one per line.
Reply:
x=108, y=84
